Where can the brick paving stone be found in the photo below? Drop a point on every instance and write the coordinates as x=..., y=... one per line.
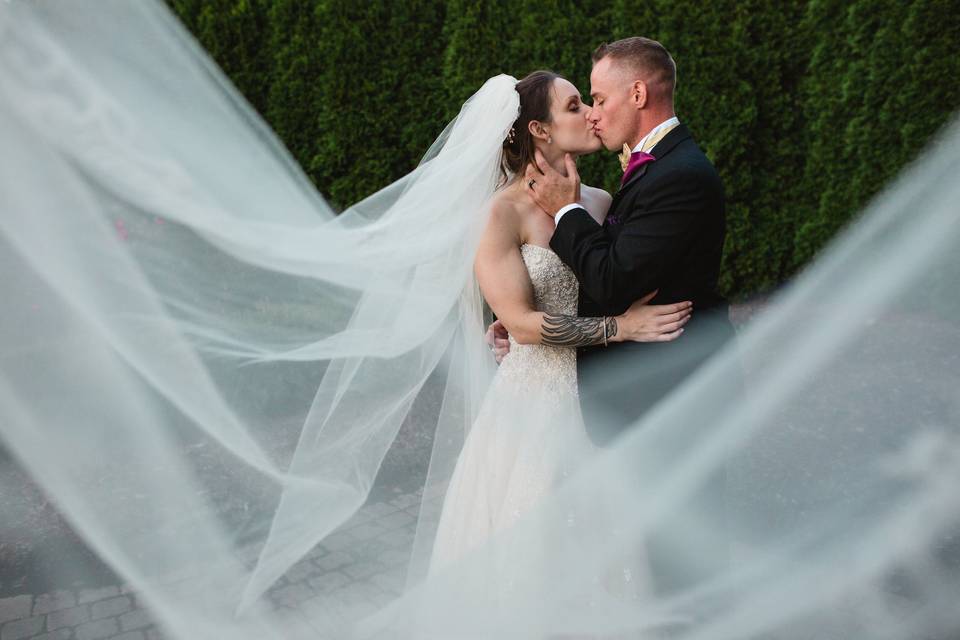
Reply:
x=430, y=513
x=18, y=629
x=326, y=615
x=390, y=581
x=359, y=593
x=67, y=617
x=378, y=509
x=59, y=634
x=97, y=629
x=318, y=552
x=379, y=599
x=154, y=634
x=52, y=602
x=300, y=571
x=360, y=516
x=435, y=492
x=406, y=500
x=249, y=554
x=333, y=561
x=397, y=538
x=15, y=607
x=338, y=541
x=363, y=569
x=394, y=558
x=397, y=519
x=292, y=595
x=136, y=619
x=367, y=531
x=129, y=635
x=369, y=548
x=92, y=595
x=329, y=581
x=110, y=608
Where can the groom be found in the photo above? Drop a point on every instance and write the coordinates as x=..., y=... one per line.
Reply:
x=664, y=231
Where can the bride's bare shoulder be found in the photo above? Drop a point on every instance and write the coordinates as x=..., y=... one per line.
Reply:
x=505, y=218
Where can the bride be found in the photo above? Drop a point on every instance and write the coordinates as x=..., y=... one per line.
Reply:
x=529, y=434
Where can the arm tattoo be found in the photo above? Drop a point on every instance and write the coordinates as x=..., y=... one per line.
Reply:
x=571, y=331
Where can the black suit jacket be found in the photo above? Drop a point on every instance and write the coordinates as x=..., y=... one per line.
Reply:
x=664, y=230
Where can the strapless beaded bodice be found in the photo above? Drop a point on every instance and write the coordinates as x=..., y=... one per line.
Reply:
x=554, y=291
x=554, y=285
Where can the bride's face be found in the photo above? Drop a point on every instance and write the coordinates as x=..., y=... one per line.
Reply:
x=570, y=129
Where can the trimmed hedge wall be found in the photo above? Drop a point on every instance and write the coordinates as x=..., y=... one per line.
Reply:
x=806, y=108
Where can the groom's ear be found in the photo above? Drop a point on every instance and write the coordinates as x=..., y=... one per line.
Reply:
x=638, y=94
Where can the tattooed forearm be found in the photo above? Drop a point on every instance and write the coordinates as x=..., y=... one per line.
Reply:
x=571, y=331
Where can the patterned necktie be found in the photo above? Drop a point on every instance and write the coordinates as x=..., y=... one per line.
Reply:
x=637, y=160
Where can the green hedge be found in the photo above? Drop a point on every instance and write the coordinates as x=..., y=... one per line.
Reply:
x=806, y=108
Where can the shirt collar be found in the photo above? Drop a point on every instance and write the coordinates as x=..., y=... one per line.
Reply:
x=670, y=122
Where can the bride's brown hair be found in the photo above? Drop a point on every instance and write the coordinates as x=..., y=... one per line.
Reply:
x=535, y=99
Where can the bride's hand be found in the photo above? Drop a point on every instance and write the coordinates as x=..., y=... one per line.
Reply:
x=652, y=323
x=498, y=340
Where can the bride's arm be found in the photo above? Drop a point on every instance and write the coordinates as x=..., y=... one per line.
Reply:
x=505, y=284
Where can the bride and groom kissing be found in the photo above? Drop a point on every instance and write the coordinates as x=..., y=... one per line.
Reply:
x=604, y=303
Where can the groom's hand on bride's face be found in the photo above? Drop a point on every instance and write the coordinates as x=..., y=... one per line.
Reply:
x=498, y=340
x=549, y=188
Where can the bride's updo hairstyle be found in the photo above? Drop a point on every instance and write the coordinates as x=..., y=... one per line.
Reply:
x=535, y=100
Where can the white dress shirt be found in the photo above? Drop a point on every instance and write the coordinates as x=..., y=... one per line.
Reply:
x=668, y=123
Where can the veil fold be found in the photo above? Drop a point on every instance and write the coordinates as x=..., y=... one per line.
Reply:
x=150, y=217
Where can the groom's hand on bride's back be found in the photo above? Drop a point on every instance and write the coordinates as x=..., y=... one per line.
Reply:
x=549, y=188
x=498, y=340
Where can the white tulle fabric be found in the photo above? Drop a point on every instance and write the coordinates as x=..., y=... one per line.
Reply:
x=204, y=368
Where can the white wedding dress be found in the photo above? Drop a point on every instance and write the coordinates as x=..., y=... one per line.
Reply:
x=528, y=436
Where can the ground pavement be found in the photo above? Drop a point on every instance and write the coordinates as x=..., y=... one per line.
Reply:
x=381, y=532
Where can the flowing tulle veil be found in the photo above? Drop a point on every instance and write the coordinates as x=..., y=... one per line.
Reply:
x=204, y=368
x=228, y=308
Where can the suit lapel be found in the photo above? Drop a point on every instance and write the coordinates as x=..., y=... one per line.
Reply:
x=639, y=173
x=669, y=142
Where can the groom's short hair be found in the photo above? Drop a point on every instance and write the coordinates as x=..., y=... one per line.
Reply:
x=644, y=56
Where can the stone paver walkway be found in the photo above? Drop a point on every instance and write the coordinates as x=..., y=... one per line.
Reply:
x=380, y=533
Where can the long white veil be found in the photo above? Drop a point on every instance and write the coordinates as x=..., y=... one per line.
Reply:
x=204, y=368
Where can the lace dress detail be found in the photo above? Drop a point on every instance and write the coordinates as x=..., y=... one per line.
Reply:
x=554, y=291
x=528, y=436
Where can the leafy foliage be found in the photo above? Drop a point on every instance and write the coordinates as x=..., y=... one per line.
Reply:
x=806, y=108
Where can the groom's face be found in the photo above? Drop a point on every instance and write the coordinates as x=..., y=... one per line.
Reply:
x=612, y=110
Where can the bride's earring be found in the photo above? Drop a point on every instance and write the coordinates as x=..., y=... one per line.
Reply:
x=549, y=139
